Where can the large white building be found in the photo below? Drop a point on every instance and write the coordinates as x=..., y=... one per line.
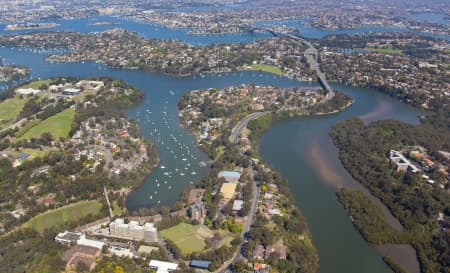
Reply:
x=401, y=162
x=133, y=230
x=162, y=267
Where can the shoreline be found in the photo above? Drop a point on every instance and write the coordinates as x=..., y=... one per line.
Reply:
x=401, y=253
x=337, y=181
x=409, y=261
x=279, y=116
x=134, y=179
x=19, y=27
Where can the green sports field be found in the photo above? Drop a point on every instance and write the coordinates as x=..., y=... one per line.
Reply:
x=36, y=84
x=188, y=238
x=58, y=125
x=9, y=109
x=57, y=217
x=387, y=50
x=267, y=68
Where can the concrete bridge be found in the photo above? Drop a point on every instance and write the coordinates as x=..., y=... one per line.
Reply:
x=311, y=55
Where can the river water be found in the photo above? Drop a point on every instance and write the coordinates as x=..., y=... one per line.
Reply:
x=299, y=148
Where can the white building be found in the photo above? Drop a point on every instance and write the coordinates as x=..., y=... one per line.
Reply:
x=150, y=232
x=68, y=238
x=162, y=267
x=27, y=91
x=87, y=242
x=133, y=230
x=71, y=91
x=401, y=162
x=238, y=205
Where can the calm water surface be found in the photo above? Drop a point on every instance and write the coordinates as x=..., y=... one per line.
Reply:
x=299, y=148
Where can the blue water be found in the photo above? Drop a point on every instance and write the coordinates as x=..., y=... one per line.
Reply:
x=288, y=146
x=157, y=31
x=147, y=30
x=430, y=17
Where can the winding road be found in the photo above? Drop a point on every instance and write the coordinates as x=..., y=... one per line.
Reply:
x=235, y=133
x=242, y=124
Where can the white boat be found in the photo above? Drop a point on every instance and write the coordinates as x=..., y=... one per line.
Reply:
x=163, y=167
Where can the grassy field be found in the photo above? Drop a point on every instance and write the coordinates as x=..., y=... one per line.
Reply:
x=267, y=68
x=388, y=50
x=58, y=125
x=27, y=127
x=227, y=240
x=64, y=214
x=36, y=84
x=188, y=238
x=117, y=210
x=9, y=109
x=219, y=151
x=34, y=152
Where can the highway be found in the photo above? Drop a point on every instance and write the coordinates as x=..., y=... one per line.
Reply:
x=242, y=124
x=311, y=55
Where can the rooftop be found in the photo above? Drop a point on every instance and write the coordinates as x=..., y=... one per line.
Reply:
x=238, y=204
x=163, y=267
x=230, y=174
x=200, y=264
x=91, y=243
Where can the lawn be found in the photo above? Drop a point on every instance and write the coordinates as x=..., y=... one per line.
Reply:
x=188, y=238
x=58, y=125
x=35, y=152
x=219, y=152
x=9, y=109
x=388, y=50
x=267, y=68
x=69, y=213
x=37, y=84
x=27, y=127
x=117, y=210
x=226, y=240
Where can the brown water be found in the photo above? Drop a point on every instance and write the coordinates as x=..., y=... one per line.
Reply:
x=303, y=152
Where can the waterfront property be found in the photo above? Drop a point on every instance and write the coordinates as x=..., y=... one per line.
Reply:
x=133, y=230
x=340, y=229
x=401, y=163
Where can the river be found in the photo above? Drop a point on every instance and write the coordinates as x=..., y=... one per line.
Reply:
x=299, y=148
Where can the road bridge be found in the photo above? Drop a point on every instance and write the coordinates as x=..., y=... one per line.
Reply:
x=311, y=55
